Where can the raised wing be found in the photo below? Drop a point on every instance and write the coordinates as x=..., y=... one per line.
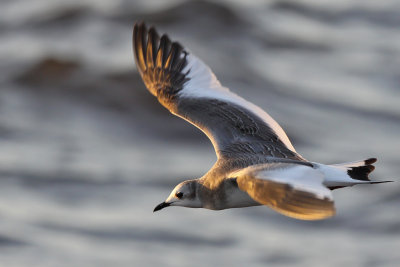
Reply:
x=294, y=190
x=187, y=88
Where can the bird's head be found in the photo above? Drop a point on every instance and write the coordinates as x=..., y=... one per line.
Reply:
x=184, y=194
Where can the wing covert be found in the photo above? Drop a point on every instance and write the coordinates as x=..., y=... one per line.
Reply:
x=294, y=190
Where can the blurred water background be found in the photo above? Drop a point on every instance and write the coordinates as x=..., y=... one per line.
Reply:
x=86, y=152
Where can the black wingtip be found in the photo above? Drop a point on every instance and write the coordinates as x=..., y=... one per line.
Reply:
x=139, y=45
x=159, y=61
x=370, y=161
x=361, y=172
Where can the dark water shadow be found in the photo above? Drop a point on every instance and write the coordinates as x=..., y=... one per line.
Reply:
x=124, y=234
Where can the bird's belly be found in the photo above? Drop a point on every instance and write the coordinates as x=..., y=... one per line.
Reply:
x=238, y=199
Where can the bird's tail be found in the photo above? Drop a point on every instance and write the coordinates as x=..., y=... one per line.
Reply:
x=349, y=173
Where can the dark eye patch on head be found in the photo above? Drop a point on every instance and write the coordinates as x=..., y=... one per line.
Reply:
x=179, y=195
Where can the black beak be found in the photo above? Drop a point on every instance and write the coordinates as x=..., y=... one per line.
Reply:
x=161, y=206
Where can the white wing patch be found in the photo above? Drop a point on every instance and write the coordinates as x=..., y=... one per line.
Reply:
x=300, y=177
x=290, y=189
x=204, y=84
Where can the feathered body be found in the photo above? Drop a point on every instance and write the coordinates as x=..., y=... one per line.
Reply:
x=257, y=164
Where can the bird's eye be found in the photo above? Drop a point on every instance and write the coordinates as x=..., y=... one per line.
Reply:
x=179, y=195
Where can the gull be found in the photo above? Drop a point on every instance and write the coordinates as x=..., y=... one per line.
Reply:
x=256, y=162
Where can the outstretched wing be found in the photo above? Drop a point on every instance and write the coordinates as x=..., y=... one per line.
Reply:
x=187, y=88
x=294, y=190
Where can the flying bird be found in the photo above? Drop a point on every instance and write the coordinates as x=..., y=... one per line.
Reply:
x=256, y=162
